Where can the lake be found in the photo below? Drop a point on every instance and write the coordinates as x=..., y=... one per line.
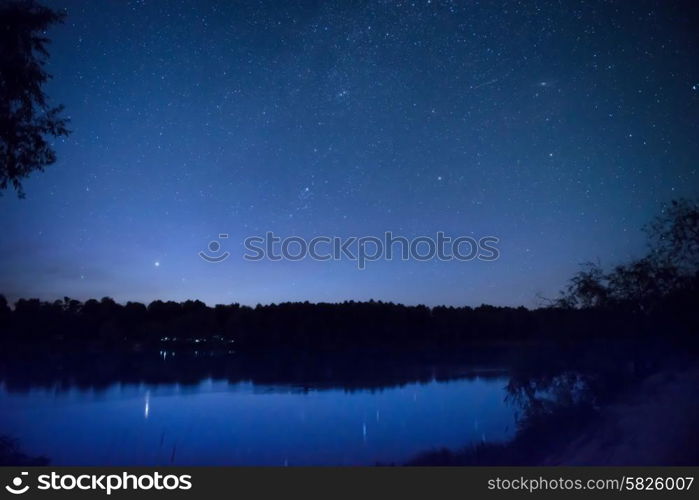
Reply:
x=136, y=410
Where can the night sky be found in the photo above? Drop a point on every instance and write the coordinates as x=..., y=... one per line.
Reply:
x=560, y=127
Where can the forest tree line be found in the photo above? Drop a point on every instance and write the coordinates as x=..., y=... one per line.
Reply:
x=655, y=294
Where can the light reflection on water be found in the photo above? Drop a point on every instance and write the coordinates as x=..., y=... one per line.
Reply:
x=216, y=422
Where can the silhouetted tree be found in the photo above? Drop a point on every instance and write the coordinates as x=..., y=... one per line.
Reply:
x=588, y=288
x=670, y=269
x=26, y=118
x=655, y=294
x=675, y=237
x=5, y=313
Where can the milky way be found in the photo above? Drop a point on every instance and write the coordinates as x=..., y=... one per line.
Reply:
x=559, y=127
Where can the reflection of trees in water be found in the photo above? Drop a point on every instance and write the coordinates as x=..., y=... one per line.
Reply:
x=541, y=376
x=582, y=377
x=558, y=392
x=537, y=397
x=357, y=370
x=288, y=370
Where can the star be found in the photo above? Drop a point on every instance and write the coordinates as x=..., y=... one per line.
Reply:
x=343, y=134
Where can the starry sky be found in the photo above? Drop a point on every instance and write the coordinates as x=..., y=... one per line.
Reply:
x=560, y=127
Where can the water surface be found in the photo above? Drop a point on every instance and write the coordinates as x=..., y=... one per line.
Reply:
x=219, y=421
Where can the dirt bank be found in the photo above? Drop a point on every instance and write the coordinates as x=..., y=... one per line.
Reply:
x=656, y=423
